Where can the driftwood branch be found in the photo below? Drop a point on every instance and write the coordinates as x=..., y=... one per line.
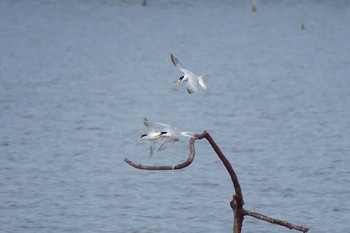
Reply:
x=238, y=215
x=275, y=221
x=237, y=202
x=168, y=167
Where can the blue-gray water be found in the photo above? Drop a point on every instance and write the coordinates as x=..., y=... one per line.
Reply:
x=77, y=77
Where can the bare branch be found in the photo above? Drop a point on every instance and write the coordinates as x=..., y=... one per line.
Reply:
x=237, y=202
x=167, y=167
x=275, y=221
x=229, y=168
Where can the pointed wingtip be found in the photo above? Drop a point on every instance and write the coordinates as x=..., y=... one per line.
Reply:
x=173, y=59
x=145, y=121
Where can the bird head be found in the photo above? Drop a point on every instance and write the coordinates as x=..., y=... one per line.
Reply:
x=163, y=132
x=179, y=80
x=141, y=137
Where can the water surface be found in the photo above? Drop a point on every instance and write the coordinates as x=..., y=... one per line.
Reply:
x=78, y=77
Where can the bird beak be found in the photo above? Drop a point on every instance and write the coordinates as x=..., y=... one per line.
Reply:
x=178, y=82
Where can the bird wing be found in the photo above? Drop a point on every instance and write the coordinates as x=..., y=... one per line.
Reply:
x=160, y=124
x=179, y=65
x=152, y=145
x=150, y=125
x=168, y=142
x=150, y=151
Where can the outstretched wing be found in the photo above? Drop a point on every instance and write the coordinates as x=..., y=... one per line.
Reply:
x=179, y=65
x=150, y=125
x=168, y=142
x=152, y=145
x=160, y=124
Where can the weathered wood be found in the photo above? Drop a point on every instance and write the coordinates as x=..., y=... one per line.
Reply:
x=167, y=167
x=237, y=202
x=275, y=221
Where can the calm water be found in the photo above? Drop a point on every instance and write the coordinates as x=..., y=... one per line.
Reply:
x=77, y=77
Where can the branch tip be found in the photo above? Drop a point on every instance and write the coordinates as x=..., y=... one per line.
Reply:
x=237, y=201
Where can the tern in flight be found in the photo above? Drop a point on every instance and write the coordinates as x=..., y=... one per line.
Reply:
x=171, y=135
x=189, y=77
x=152, y=135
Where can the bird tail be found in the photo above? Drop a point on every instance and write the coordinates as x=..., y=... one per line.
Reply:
x=201, y=82
x=187, y=134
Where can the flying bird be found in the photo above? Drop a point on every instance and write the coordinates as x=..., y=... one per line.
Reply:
x=189, y=77
x=152, y=135
x=171, y=135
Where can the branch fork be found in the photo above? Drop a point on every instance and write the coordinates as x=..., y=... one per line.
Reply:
x=237, y=201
